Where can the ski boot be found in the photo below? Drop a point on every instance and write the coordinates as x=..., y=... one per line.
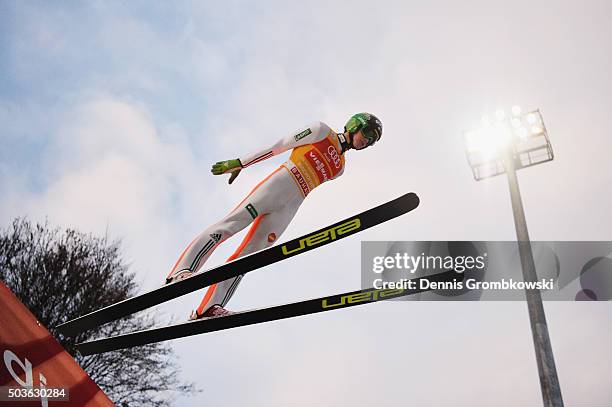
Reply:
x=213, y=312
x=181, y=275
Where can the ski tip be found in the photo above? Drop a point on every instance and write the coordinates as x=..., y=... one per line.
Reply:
x=412, y=199
x=415, y=198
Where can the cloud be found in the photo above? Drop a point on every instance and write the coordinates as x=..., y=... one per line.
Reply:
x=111, y=167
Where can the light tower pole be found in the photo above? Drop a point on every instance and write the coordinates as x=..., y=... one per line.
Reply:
x=506, y=146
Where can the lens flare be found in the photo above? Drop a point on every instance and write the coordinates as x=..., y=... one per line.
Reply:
x=536, y=130
x=531, y=118
x=522, y=132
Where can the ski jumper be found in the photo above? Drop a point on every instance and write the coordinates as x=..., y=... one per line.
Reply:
x=316, y=157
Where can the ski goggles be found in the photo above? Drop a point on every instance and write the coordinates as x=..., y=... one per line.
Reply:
x=370, y=134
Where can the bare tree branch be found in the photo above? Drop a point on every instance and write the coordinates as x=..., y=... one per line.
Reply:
x=62, y=275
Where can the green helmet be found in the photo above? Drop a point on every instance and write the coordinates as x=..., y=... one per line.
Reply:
x=369, y=125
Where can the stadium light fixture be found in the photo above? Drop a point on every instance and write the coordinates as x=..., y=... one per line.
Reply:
x=524, y=134
x=514, y=142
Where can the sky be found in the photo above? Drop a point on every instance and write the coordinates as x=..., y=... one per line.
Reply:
x=111, y=114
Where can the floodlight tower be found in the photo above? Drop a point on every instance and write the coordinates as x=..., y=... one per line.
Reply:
x=506, y=143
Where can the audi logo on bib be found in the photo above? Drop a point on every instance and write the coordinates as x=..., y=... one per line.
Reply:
x=334, y=156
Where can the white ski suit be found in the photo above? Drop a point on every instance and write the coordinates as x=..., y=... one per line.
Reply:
x=316, y=157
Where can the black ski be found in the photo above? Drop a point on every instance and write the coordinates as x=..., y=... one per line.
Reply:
x=243, y=265
x=296, y=309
